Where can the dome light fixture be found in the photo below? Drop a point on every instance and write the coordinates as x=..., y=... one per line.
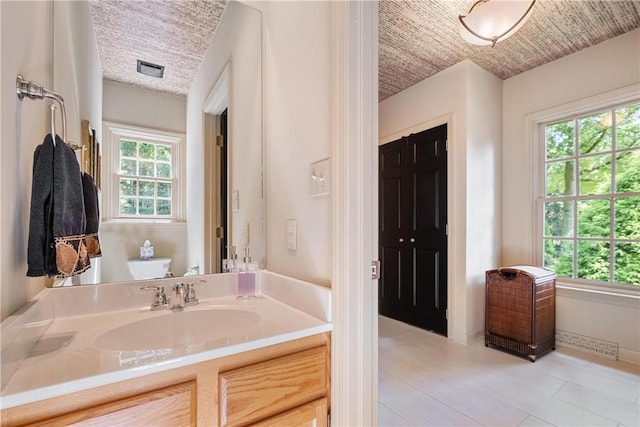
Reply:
x=491, y=21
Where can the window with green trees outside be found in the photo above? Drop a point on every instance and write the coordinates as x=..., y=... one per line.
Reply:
x=145, y=181
x=592, y=197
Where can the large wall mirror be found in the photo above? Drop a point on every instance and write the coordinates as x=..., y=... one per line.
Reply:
x=222, y=196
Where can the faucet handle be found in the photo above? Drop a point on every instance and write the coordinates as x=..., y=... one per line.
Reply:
x=159, y=299
x=190, y=293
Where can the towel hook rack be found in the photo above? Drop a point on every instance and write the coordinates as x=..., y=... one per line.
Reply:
x=34, y=90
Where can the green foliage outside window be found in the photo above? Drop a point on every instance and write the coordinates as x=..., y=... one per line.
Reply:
x=145, y=179
x=592, y=213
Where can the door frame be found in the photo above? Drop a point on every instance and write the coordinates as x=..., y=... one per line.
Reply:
x=354, y=338
x=215, y=104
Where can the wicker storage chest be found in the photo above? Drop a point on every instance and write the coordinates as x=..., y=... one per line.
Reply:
x=521, y=310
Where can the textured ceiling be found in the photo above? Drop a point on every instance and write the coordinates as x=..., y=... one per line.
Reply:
x=175, y=34
x=418, y=38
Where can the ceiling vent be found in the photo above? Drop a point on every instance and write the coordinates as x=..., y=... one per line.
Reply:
x=149, y=69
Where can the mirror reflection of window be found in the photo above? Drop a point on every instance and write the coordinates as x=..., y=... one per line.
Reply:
x=145, y=179
x=145, y=185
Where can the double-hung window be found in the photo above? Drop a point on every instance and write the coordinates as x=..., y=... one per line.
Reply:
x=144, y=182
x=591, y=196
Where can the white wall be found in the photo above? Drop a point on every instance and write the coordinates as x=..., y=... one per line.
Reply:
x=137, y=106
x=25, y=49
x=71, y=67
x=77, y=69
x=469, y=100
x=237, y=42
x=298, y=132
x=594, y=71
x=484, y=190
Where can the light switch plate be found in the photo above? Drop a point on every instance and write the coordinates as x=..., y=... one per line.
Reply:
x=245, y=234
x=235, y=201
x=321, y=178
x=292, y=235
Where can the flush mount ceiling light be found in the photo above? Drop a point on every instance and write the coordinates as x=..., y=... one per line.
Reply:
x=491, y=21
x=150, y=69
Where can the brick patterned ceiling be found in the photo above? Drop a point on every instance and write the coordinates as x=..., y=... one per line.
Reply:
x=172, y=33
x=418, y=38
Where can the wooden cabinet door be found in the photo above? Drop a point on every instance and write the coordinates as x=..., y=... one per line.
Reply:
x=313, y=414
x=261, y=390
x=172, y=406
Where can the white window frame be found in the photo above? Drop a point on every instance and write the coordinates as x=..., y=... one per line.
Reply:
x=536, y=123
x=113, y=133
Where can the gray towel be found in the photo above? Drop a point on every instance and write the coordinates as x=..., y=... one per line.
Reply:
x=92, y=211
x=58, y=221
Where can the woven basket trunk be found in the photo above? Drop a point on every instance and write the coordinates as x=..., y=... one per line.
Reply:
x=520, y=314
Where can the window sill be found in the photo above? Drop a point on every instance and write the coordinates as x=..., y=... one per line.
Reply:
x=623, y=297
x=125, y=224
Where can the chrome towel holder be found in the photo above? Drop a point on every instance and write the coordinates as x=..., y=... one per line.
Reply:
x=34, y=90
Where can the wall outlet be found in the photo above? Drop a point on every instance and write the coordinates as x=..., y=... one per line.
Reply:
x=321, y=178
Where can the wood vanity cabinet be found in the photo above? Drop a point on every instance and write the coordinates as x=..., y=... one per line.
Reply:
x=280, y=385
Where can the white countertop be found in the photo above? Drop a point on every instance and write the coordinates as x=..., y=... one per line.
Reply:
x=66, y=357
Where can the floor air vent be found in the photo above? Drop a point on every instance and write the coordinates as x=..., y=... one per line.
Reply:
x=589, y=344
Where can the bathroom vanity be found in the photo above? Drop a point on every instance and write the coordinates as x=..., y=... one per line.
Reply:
x=226, y=361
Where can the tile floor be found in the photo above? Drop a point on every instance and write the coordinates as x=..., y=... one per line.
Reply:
x=427, y=380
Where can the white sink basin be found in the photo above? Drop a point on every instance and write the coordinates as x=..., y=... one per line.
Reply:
x=179, y=330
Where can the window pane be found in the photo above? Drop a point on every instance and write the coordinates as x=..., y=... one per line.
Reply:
x=146, y=168
x=561, y=178
x=628, y=171
x=163, y=152
x=628, y=127
x=627, y=266
x=164, y=207
x=146, y=151
x=558, y=257
x=559, y=140
x=593, y=260
x=145, y=207
x=147, y=188
x=627, y=212
x=163, y=170
x=164, y=189
x=127, y=187
x=558, y=219
x=594, y=218
x=595, y=175
x=594, y=135
x=127, y=167
x=128, y=148
x=127, y=205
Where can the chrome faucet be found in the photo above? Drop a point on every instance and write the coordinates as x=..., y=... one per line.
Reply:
x=178, y=300
x=190, y=293
x=159, y=299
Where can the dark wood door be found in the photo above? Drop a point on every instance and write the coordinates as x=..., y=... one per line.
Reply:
x=413, y=229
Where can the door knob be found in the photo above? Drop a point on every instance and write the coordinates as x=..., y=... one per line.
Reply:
x=401, y=240
x=412, y=240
